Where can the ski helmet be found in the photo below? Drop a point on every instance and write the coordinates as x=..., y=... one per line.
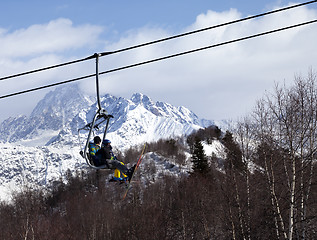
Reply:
x=106, y=142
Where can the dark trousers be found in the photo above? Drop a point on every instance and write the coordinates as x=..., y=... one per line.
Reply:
x=110, y=163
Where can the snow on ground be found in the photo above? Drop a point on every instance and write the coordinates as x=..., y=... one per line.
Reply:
x=30, y=167
x=154, y=166
x=40, y=140
x=7, y=190
x=216, y=147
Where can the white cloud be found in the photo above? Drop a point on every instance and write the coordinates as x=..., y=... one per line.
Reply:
x=54, y=37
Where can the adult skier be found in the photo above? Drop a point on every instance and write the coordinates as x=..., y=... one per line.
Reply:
x=94, y=146
x=105, y=156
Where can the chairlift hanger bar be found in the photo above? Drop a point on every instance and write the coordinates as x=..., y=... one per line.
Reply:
x=101, y=113
x=97, y=82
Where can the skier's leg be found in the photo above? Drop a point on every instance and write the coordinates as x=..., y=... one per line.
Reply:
x=119, y=165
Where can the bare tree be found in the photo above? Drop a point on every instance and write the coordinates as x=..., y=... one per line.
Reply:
x=286, y=121
x=244, y=138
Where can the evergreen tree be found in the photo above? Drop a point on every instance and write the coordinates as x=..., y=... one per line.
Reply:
x=234, y=154
x=199, y=158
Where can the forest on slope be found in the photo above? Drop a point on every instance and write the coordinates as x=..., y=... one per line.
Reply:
x=263, y=187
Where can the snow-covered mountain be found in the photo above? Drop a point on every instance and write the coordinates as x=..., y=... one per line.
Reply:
x=139, y=119
x=57, y=118
x=38, y=149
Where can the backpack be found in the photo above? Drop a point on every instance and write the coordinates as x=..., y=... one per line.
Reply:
x=93, y=148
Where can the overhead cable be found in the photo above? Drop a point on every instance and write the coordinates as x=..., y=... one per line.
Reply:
x=215, y=26
x=208, y=47
x=159, y=40
x=162, y=58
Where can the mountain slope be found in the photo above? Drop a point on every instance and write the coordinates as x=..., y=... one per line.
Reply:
x=38, y=149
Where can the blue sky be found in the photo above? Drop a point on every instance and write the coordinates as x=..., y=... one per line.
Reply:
x=220, y=83
x=120, y=15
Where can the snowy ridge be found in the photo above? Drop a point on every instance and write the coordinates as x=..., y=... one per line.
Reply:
x=135, y=121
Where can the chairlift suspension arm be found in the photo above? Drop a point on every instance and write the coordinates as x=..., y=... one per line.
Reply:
x=97, y=81
x=101, y=113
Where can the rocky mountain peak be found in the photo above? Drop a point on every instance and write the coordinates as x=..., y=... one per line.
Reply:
x=60, y=114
